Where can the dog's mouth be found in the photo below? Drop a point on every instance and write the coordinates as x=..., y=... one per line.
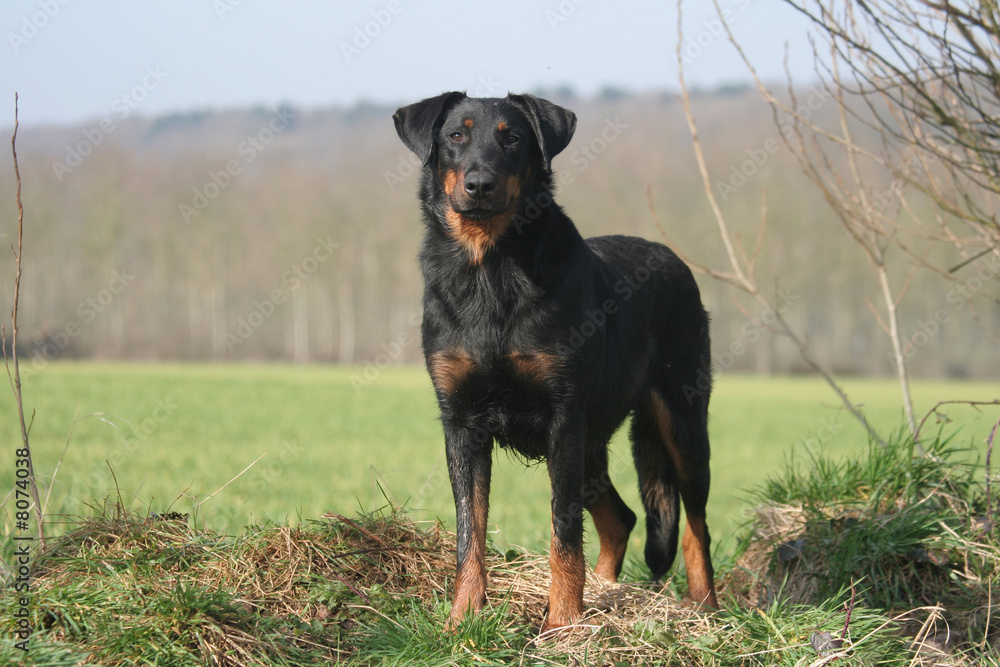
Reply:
x=480, y=212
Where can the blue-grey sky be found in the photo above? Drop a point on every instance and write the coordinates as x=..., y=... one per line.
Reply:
x=76, y=60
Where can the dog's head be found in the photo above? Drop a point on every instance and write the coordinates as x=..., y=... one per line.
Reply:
x=484, y=156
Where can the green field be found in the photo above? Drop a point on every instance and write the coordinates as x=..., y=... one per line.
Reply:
x=176, y=434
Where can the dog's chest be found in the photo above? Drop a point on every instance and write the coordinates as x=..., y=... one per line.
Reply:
x=511, y=398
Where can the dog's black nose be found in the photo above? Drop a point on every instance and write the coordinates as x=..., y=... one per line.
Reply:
x=479, y=184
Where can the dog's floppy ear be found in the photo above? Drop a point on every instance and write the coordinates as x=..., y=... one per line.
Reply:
x=417, y=124
x=553, y=125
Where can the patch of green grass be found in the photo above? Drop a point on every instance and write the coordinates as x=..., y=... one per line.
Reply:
x=783, y=634
x=891, y=530
x=174, y=434
x=413, y=636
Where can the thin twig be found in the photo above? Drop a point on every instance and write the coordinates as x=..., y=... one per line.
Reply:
x=353, y=524
x=989, y=452
x=219, y=490
x=350, y=586
x=933, y=410
x=850, y=608
x=15, y=378
x=971, y=260
x=55, y=472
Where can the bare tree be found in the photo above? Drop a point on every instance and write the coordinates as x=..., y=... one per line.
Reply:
x=912, y=167
x=741, y=272
x=928, y=75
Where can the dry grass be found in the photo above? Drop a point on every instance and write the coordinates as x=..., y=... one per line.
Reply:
x=270, y=573
x=314, y=590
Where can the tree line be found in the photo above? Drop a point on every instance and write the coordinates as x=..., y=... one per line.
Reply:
x=291, y=234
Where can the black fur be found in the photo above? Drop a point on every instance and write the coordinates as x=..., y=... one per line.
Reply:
x=544, y=343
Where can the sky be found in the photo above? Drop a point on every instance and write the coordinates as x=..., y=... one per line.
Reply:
x=71, y=61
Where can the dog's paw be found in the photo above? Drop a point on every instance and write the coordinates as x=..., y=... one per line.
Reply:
x=706, y=605
x=558, y=624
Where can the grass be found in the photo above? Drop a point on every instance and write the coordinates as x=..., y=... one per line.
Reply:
x=126, y=589
x=173, y=435
x=894, y=518
x=131, y=584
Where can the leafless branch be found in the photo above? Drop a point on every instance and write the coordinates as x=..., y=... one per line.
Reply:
x=739, y=275
x=15, y=375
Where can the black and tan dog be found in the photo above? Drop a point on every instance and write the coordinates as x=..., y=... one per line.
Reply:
x=542, y=342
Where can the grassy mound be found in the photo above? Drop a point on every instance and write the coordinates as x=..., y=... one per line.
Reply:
x=910, y=535
x=886, y=560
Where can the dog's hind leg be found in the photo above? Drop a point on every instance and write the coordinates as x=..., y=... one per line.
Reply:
x=612, y=517
x=684, y=445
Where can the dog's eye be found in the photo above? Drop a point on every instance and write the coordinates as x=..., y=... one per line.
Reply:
x=456, y=136
x=511, y=139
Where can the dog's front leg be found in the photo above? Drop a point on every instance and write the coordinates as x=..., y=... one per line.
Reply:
x=469, y=464
x=566, y=560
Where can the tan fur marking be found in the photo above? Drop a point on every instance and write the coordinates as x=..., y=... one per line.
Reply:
x=613, y=535
x=652, y=491
x=470, y=581
x=697, y=559
x=666, y=425
x=513, y=184
x=701, y=588
x=538, y=367
x=467, y=122
x=566, y=594
x=477, y=236
x=450, y=180
x=501, y=126
x=448, y=370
